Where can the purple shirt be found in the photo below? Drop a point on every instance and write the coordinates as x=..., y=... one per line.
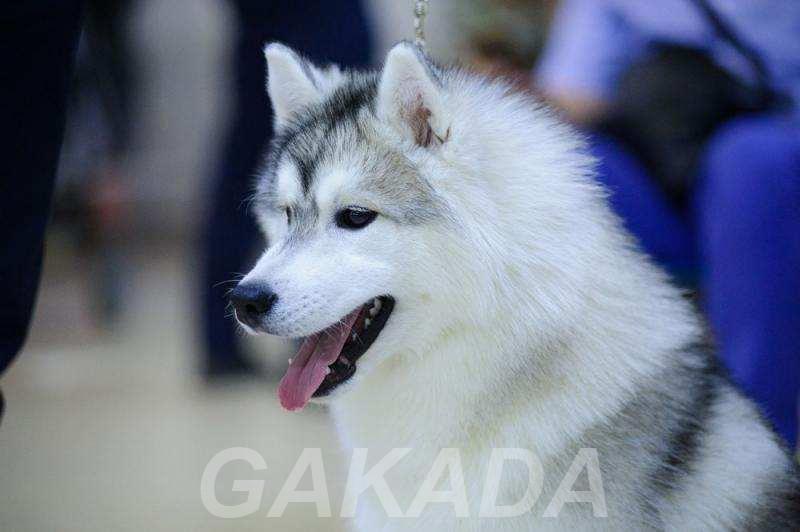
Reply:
x=593, y=41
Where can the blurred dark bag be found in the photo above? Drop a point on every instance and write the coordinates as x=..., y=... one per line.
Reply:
x=668, y=105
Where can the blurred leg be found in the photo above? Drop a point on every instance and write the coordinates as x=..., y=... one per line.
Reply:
x=37, y=44
x=748, y=210
x=662, y=232
x=113, y=68
x=324, y=31
x=334, y=31
x=229, y=233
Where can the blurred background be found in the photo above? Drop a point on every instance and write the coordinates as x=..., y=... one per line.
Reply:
x=134, y=376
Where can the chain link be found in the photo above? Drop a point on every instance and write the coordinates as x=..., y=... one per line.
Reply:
x=420, y=12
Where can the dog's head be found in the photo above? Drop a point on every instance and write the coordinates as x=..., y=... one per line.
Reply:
x=378, y=202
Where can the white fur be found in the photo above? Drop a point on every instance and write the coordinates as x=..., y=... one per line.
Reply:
x=289, y=85
x=407, y=85
x=523, y=317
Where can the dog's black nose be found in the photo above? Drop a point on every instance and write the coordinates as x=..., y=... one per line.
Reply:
x=252, y=302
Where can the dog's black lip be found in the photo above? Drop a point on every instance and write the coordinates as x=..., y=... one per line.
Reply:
x=353, y=350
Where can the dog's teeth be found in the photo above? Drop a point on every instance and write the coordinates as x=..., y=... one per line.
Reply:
x=290, y=361
x=328, y=371
x=373, y=312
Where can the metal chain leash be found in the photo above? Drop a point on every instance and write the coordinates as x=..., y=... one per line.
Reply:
x=420, y=12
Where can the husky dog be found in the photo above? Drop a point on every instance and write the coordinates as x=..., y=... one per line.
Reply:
x=437, y=240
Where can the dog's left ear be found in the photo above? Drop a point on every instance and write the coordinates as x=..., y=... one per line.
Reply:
x=294, y=83
x=410, y=96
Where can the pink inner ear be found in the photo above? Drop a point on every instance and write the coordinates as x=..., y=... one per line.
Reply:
x=423, y=134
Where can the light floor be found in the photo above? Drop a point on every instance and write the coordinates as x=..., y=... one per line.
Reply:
x=113, y=432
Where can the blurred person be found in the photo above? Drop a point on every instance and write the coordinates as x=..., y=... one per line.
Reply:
x=331, y=31
x=693, y=105
x=37, y=46
x=93, y=192
x=502, y=36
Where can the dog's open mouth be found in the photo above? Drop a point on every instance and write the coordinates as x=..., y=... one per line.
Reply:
x=328, y=358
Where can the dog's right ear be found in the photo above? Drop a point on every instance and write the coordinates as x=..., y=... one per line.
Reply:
x=410, y=96
x=292, y=82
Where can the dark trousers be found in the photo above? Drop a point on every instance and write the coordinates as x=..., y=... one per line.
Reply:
x=330, y=31
x=37, y=48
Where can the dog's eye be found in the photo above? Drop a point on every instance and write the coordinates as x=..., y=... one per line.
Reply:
x=355, y=217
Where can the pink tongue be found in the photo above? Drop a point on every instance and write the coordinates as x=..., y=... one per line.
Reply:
x=310, y=366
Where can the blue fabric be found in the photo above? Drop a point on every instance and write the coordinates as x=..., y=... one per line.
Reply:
x=742, y=236
x=593, y=41
x=664, y=233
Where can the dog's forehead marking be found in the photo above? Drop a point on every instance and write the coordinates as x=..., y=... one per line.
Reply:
x=306, y=139
x=332, y=182
x=332, y=155
x=357, y=171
